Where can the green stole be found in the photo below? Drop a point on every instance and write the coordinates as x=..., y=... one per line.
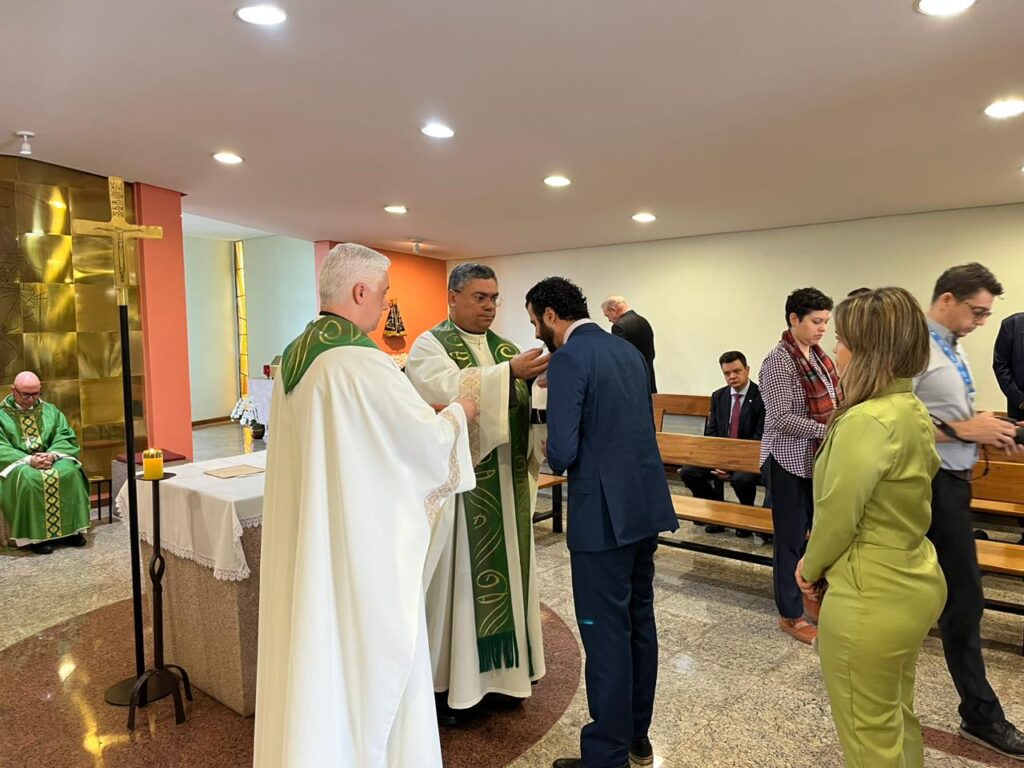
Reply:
x=492, y=601
x=324, y=333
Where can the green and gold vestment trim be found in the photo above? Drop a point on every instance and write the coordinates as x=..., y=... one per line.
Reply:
x=324, y=333
x=492, y=600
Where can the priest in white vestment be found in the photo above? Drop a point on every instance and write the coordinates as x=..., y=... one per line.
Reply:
x=358, y=471
x=483, y=611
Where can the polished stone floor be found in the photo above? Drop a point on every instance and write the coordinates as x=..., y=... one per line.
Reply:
x=733, y=690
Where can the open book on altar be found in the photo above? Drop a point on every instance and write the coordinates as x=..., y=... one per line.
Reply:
x=239, y=470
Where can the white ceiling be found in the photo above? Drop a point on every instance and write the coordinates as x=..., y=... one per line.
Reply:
x=716, y=115
x=211, y=229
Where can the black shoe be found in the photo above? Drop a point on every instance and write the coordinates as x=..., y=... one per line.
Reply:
x=641, y=752
x=577, y=762
x=446, y=716
x=980, y=535
x=1003, y=738
x=78, y=540
x=42, y=548
x=712, y=528
x=741, y=534
x=503, y=701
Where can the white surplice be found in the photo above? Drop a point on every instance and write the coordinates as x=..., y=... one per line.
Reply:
x=357, y=472
x=451, y=621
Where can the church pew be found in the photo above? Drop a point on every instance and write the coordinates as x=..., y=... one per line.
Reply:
x=679, y=405
x=994, y=557
x=555, y=483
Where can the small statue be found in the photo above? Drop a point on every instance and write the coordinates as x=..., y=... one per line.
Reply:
x=394, y=325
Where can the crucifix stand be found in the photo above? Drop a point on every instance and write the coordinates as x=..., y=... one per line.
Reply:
x=120, y=231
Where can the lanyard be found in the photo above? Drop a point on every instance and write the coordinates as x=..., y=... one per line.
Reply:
x=957, y=361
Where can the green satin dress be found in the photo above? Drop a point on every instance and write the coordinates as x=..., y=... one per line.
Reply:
x=872, y=509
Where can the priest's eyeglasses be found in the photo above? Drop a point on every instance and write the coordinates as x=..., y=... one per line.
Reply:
x=480, y=299
x=26, y=395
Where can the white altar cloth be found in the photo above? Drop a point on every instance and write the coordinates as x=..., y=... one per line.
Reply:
x=202, y=517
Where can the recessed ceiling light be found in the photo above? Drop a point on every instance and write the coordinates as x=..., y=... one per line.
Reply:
x=264, y=15
x=644, y=218
x=228, y=158
x=942, y=7
x=437, y=131
x=1004, y=108
x=396, y=209
x=557, y=181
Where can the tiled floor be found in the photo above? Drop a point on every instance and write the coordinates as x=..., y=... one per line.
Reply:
x=733, y=690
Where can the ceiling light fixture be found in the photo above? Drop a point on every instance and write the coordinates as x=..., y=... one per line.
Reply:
x=398, y=210
x=557, y=181
x=265, y=15
x=416, y=246
x=437, y=131
x=228, y=158
x=25, y=148
x=644, y=217
x=942, y=7
x=1004, y=108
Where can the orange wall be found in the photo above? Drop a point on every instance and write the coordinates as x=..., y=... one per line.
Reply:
x=418, y=284
x=164, y=329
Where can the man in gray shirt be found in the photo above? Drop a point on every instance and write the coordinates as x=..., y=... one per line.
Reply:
x=962, y=301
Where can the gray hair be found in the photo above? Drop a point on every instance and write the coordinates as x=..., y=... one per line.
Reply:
x=463, y=273
x=612, y=301
x=346, y=265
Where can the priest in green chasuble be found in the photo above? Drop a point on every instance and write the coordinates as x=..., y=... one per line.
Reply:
x=483, y=612
x=43, y=492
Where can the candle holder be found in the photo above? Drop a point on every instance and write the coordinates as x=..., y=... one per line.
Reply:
x=162, y=676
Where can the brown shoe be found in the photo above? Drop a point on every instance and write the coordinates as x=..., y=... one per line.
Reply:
x=799, y=628
x=812, y=609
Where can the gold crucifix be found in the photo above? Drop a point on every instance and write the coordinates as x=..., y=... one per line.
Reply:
x=120, y=231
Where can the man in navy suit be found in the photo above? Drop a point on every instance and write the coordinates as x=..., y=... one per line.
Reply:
x=737, y=411
x=601, y=430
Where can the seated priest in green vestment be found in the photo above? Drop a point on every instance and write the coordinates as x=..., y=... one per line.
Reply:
x=43, y=491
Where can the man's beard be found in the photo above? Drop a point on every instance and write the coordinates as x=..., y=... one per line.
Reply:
x=547, y=335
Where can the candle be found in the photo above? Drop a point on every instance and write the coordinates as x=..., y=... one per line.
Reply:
x=152, y=464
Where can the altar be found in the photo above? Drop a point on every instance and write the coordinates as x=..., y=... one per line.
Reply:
x=210, y=538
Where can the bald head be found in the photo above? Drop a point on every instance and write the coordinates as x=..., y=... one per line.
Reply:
x=26, y=388
x=613, y=307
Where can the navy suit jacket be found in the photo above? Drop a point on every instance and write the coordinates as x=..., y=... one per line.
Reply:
x=1008, y=363
x=601, y=430
x=751, y=414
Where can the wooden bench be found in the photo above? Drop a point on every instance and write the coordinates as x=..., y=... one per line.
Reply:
x=698, y=406
x=1006, y=482
x=555, y=483
x=1000, y=490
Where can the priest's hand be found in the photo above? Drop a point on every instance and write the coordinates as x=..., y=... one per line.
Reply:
x=472, y=409
x=529, y=364
x=40, y=461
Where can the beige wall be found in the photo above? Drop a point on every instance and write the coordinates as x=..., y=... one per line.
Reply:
x=212, y=347
x=704, y=295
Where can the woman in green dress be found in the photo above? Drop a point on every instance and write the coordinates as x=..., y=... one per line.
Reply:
x=872, y=509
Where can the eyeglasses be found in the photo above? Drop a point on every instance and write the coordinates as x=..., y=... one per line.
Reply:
x=480, y=299
x=981, y=313
x=26, y=395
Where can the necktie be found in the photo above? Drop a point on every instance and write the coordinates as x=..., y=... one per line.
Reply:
x=734, y=417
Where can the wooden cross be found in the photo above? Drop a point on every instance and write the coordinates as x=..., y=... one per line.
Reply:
x=120, y=231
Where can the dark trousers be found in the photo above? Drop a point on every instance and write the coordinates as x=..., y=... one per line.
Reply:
x=613, y=592
x=960, y=623
x=792, y=512
x=702, y=484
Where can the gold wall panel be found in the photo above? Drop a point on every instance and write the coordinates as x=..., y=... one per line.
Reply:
x=42, y=209
x=99, y=355
x=52, y=355
x=64, y=394
x=96, y=307
x=47, y=308
x=58, y=308
x=12, y=358
x=47, y=259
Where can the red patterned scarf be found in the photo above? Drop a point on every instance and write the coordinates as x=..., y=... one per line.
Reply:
x=819, y=402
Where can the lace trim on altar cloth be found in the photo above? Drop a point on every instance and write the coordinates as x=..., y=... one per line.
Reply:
x=435, y=499
x=223, y=574
x=470, y=385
